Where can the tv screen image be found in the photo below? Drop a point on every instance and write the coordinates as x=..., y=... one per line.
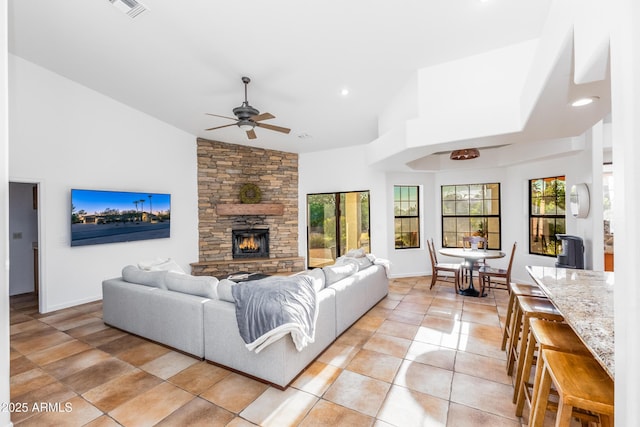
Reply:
x=99, y=216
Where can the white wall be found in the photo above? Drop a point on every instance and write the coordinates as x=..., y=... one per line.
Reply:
x=23, y=231
x=5, y=397
x=65, y=136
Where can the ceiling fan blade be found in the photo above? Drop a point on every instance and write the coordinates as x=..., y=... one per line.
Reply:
x=263, y=116
x=223, y=126
x=272, y=127
x=224, y=117
x=251, y=134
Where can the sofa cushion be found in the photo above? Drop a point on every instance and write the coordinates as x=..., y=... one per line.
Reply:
x=317, y=278
x=161, y=264
x=355, y=253
x=203, y=286
x=155, y=279
x=336, y=272
x=224, y=290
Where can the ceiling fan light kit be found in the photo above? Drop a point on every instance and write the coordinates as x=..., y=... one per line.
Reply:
x=465, y=154
x=247, y=117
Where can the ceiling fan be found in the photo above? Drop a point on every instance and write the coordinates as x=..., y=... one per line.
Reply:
x=247, y=117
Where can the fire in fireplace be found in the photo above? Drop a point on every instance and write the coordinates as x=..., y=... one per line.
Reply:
x=250, y=243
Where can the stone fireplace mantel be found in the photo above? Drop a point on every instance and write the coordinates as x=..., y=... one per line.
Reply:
x=250, y=209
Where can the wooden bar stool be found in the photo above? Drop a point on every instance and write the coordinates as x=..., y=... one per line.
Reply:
x=517, y=289
x=529, y=308
x=581, y=383
x=544, y=335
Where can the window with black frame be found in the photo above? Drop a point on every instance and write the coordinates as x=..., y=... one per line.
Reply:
x=471, y=210
x=547, y=198
x=336, y=223
x=406, y=212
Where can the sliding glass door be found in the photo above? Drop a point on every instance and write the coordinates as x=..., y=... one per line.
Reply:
x=336, y=223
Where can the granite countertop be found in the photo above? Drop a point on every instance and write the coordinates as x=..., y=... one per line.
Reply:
x=585, y=299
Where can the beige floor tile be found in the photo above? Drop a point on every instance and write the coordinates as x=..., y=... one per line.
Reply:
x=489, y=347
x=54, y=392
x=425, y=379
x=433, y=336
x=199, y=377
x=29, y=381
x=412, y=307
x=408, y=408
x=122, y=344
x=169, y=364
x=369, y=322
x=116, y=392
x=96, y=325
x=279, y=408
x=29, y=324
x=326, y=413
x=406, y=317
x=485, y=395
x=358, y=392
x=198, y=413
x=419, y=297
x=398, y=329
x=430, y=354
x=354, y=337
x=477, y=330
x=102, y=336
x=317, y=378
x=57, y=352
x=158, y=402
x=388, y=303
x=143, y=353
x=96, y=375
x=375, y=365
x=338, y=355
x=20, y=364
x=482, y=366
x=103, y=421
x=464, y=416
x=234, y=392
x=484, y=318
x=387, y=344
x=75, y=363
x=34, y=341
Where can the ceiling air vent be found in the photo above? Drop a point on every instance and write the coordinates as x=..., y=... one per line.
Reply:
x=131, y=7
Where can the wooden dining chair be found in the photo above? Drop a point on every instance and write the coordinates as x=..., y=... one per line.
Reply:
x=467, y=244
x=497, y=278
x=438, y=269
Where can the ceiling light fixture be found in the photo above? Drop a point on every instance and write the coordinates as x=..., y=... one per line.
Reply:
x=466, y=154
x=246, y=125
x=584, y=101
x=344, y=92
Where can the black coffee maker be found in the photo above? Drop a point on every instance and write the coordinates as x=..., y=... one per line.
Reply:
x=572, y=255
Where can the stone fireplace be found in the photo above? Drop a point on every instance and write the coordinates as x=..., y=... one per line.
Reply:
x=250, y=243
x=223, y=169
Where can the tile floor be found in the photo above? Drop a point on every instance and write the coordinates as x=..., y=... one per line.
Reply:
x=420, y=357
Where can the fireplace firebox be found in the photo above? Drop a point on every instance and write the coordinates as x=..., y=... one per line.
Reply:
x=250, y=243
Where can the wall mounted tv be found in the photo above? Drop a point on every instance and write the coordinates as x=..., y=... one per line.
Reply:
x=118, y=216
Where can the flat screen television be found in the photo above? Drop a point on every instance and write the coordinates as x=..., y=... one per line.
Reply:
x=99, y=216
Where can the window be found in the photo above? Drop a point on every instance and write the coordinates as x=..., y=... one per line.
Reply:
x=336, y=223
x=406, y=212
x=546, y=215
x=470, y=210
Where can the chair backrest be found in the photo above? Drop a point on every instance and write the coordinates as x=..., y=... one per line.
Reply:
x=468, y=241
x=513, y=251
x=432, y=254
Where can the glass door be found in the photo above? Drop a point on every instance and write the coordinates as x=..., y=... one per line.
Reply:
x=336, y=223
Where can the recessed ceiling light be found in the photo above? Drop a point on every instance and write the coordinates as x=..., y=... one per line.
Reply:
x=344, y=92
x=584, y=101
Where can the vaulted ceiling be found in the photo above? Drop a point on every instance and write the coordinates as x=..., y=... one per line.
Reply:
x=178, y=60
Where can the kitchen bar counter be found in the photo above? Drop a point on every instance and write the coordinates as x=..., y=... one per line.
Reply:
x=585, y=299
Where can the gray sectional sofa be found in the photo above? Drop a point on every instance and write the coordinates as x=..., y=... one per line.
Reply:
x=196, y=315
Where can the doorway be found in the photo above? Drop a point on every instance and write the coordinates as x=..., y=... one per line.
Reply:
x=24, y=256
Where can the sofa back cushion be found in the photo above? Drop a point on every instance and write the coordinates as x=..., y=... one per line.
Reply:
x=161, y=264
x=317, y=278
x=155, y=279
x=202, y=286
x=224, y=290
x=336, y=272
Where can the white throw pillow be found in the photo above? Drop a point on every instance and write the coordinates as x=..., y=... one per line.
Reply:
x=224, y=290
x=161, y=264
x=317, y=278
x=203, y=286
x=334, y=273
x=355, y=253
x=155, y=279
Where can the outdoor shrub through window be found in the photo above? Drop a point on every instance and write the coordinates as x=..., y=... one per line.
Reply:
x=406, y=211
x=546, y=215
x=336, y=223
x=470, y=210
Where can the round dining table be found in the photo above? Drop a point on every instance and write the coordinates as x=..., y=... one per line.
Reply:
x=471, y=257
